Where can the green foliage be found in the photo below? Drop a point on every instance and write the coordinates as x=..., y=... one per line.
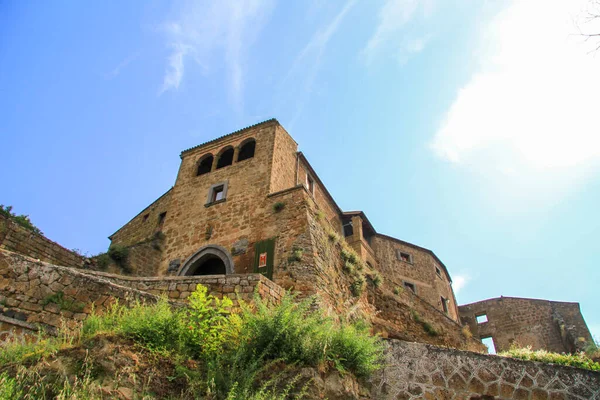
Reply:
x=333, y=236
x=376, y=279
x=319, y=215
x=18, y=351
x=250, y=354
x=357, y=286
x=296, y=255
x=58, y=298
x=579, y=360
x=348, y=267
x=349, y=255
x=118, y=253
x=427, y=327
x=277, y=207
x=398, y=290
x=103, y=260
x=21, y=220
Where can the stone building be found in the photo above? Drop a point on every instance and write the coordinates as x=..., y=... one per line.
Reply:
x=542, y=324
x=223, y=216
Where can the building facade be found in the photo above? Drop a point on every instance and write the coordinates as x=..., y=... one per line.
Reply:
x=222, y=212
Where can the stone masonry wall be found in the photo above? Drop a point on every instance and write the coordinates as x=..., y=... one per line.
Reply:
x=29, y=290
x=420, y=272
x=15, y=238
x=144, y=225
x=419, y=371
x=528, y=322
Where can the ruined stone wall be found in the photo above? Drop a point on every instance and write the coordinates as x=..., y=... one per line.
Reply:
x=15, y=238
x=144, y=225
x=527, y=322
x=421, y=272
x=35, y=292
x=419, y=371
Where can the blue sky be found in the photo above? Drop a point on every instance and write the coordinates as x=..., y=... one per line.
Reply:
x=467, y=127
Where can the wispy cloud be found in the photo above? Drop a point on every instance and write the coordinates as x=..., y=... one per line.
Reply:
x=310, y=58
x=122, y=65
x=209, y=32
x=532, y=105
x=394, y=15
x=459, y=282
x=411, y=47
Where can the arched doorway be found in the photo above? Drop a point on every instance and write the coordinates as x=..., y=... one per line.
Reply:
x=208, y=260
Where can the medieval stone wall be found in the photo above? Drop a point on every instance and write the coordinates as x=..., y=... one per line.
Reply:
x=419, y=371
x=419, y=271
x=144, y=225
x=34, y=292
x=528, y=322
x=15, y=238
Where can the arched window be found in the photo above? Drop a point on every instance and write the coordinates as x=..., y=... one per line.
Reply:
x=205, y=164
x=226, y=158
x=247, y=150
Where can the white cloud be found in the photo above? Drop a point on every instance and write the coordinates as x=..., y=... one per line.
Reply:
x=122, y=65
x=411, y=47
x=459, y=282
x=393, y=16
x=532, y=106
x=205, y=31
x=310, y=58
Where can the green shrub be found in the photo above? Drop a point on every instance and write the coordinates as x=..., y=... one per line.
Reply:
x=350, y=255
x=348, y=267
x=579, y=360
x=21, y=220
x=376, y=279
x=333, y=236
x=103, y=260
x=319, y=215
x=277, y=207
x=429, y=329
x=118, y=253
x=398, y=290
x=296, y=255
x=357, y=286
x=9, y=388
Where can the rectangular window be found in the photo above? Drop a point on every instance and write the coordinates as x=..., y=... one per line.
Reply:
x=444, y=304
x=161, y=217
x=402, y=256
x=438, y=272
x=489, y=343
x=481, y=319
x=310, y=184
x=216, y=194
x=348, y=230
x=146, y=217
x=411, y=287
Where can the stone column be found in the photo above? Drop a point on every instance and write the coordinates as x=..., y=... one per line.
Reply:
x=215, y=161
x=236, y=153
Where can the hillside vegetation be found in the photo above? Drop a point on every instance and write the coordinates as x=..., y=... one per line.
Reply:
x=206, y=350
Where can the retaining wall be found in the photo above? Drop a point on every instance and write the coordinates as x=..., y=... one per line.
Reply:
x=420, y=371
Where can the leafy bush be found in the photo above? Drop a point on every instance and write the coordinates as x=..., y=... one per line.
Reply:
x=118, y=253
x=376, y=279
x=348, y=267
x=579, y=360
x=333, y=236
x=277, y=207
x=398, y=290
x=349, y=255
x=103, y=260
x=21, y=220
x=358, y=285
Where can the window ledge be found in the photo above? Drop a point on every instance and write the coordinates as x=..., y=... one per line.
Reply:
x=215, y=202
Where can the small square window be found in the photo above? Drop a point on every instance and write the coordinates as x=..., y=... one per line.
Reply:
x=481, y=319
x=410, y=286
x=216, y=194
x=402, y=256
